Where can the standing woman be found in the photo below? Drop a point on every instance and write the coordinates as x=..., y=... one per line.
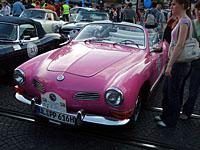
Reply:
x=194, y=84
x=175, y=72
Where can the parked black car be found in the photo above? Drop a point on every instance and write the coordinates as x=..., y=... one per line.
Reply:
x=22, y=39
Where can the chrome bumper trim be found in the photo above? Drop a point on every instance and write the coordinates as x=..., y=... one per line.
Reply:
x=104, y=120
x=22, y=99
x=84, y=117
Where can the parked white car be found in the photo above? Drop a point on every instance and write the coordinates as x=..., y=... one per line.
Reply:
x=49, y=19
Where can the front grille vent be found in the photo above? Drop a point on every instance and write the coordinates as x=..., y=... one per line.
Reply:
x=86, y=96
x=39, y=86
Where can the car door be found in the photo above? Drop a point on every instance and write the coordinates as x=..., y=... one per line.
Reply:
x=49, y=20
x=27, y=46
x=157, y=55
x=29, y=41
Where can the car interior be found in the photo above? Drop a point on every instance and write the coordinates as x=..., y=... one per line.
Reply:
x=27, y=30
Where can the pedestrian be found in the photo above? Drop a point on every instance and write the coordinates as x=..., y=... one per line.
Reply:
x=171, y=23
x=49, y=5
x=176, y=71
x=140, y=16
x=194, y=82
x=5, y=10
x=114, y=14
x=65, y=11
x=57, y=7
x=29, y=4
x=37, y=5
x=154, y=17
x=42, y=4
x=129, y=14
x=18, y=8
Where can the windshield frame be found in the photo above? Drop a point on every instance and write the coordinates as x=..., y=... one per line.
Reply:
x=91, y=16
x=17, y=32
x=143, y=47
x=33, y=10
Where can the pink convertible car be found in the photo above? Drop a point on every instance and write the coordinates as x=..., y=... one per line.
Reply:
x=101, y=76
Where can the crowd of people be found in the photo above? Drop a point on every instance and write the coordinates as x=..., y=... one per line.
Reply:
x=181, y=23
x=15, y=9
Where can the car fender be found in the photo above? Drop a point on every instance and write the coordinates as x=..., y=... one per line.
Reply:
x=130, y=82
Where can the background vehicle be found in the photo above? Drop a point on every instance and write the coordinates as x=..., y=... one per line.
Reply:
x=82, y=19
x=74, y=12
x=22, y=39
x=49, y=19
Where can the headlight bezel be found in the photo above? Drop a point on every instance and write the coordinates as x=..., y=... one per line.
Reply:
x=19, y=73
x=118, y=91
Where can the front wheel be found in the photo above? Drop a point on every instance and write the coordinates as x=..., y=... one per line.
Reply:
x=137, y=110
x=136, y=113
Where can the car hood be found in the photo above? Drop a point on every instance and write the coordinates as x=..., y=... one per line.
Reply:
x=38, y=20
x=79, y=59
x=74, y=25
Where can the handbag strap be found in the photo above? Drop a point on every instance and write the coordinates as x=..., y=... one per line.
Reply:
x=194, y=30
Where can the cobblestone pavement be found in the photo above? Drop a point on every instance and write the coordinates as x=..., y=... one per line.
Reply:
x=17, y=134
x=20, y=135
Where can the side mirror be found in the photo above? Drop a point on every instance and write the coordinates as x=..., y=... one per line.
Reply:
x=66, y=41
x=156, y=48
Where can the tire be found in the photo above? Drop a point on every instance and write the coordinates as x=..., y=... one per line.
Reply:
x=137, y=110
x=136, y=114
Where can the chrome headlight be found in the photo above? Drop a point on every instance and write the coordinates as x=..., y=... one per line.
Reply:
x=19, y=77
x=114, y=96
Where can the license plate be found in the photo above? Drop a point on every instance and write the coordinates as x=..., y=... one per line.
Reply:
x=57, y=116
x=53, y=101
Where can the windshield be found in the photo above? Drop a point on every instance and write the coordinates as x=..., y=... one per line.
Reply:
x=114, y=33
x=8, y=32
x=35, y=14
x=91, y=16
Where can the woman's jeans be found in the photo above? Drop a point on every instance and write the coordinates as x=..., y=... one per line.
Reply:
x=172, y=93
x=194, y=85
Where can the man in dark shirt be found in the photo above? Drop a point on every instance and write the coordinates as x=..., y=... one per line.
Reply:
x=129, y=14
x=18, y=7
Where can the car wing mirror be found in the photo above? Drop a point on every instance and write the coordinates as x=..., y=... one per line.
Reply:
x=157, y=48
x=67, y=41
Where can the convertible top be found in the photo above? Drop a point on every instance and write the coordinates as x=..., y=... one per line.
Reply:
x=19, y=21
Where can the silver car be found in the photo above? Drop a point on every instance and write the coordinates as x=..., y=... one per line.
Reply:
x=49, y=19
x=76, y=10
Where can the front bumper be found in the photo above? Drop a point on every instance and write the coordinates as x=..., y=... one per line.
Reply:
x=80, y=116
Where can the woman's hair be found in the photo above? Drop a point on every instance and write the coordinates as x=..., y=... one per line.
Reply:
x=197, y=5
x=186, y=5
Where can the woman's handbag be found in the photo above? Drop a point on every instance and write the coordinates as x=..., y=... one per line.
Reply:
x=191, y=50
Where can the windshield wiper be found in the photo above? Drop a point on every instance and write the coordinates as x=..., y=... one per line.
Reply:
x=126, y=42
x=95, y=39
x=85, y=20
